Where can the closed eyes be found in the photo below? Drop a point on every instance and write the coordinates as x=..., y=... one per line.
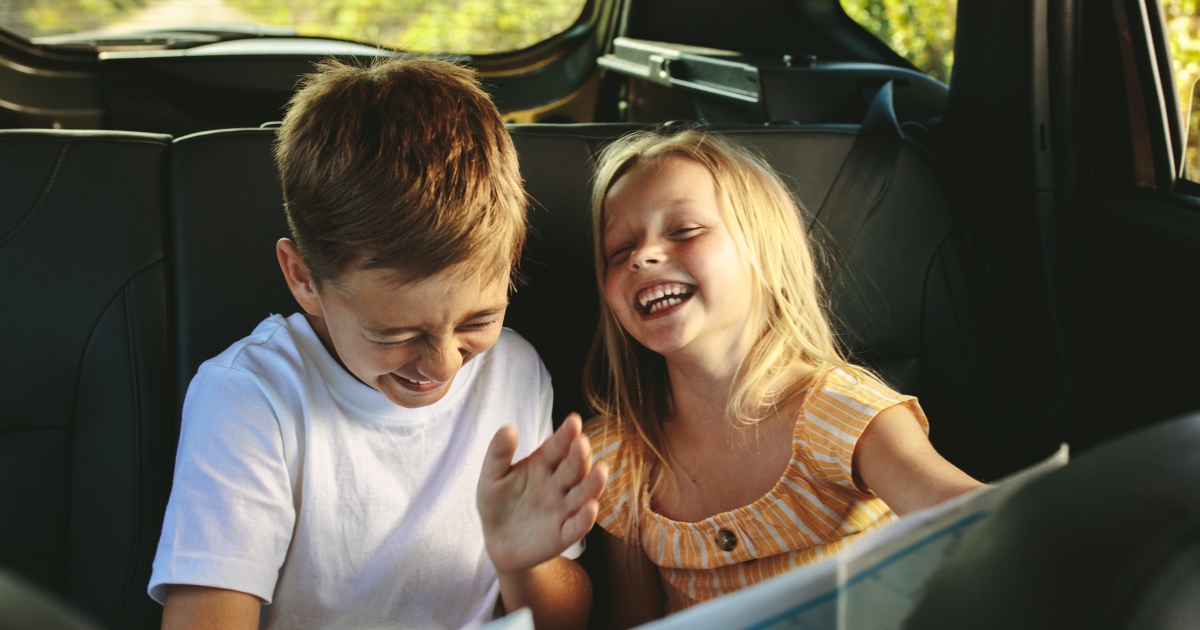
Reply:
x=616, y=253
x=465, y=327
x=685, y=231
x=679, y=233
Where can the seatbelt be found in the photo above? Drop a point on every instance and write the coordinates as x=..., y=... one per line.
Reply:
x=860, y=183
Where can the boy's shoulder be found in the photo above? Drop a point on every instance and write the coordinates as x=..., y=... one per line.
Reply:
x=276, y=362
x=511, y=363
x=284, y=361
x=277, y=343
x=284, y=354
x=279, y=337
x=511, y=346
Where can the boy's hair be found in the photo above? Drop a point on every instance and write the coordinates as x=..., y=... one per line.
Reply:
x=628, y=383
x=402, y=164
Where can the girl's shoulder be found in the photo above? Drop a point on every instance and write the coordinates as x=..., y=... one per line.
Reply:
x=851, y=392
x=614, y=443
x=610, y=440
x=836, y=411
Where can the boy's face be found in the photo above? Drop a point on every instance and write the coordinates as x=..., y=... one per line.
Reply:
x=407, y=341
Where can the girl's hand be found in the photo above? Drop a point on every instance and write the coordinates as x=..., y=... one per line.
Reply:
x=534, y=509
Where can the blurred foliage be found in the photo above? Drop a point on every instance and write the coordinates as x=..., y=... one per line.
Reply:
x=922, y=31
x=445, y=26
x=440, y=26
x=33, y=18
x=1183, y=31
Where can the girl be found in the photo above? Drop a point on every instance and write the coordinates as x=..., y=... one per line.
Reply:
x=741, y=443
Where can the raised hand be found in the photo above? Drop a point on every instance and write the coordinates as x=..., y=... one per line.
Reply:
x=534, y=509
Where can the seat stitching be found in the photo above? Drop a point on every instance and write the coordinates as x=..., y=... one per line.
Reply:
x=41, y=200
x=939, y=259
x=131, y=331
x=74, y=415
x=122, y=292
x=956, y=287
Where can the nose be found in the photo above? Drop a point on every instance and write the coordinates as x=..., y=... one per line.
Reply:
x=441, y=361
x=647, y=253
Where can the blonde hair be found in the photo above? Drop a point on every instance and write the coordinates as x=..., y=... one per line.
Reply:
x=628, y=383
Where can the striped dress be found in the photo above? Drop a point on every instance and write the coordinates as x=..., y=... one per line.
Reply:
x=813, y=511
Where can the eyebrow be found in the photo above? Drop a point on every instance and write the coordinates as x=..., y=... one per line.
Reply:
x=398, y=330
x=675, y=204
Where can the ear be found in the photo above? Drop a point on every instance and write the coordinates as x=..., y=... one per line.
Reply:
x=299, y=280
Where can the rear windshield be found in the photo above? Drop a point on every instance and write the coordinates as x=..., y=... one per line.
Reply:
x=427, y=26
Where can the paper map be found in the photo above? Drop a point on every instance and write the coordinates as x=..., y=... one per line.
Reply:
x=872, y=585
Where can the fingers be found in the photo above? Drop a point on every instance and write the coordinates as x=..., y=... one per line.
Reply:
x=588, y=492
x=556, y=447
x=588, y=489
x=498, y=460
x=576, y=463
x=578, y=525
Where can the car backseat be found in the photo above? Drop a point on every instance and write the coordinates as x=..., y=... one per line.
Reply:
x=86, y=428
x=226, y=214
x=906, y=309
x=96, y=375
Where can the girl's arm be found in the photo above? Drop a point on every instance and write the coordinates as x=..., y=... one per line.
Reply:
x=895, y=460
x=628, y=591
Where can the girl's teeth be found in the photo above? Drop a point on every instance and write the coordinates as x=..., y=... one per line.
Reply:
x=658, y=298
x=664, y=304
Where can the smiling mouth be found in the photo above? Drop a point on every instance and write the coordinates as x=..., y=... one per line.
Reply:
x=656, y=298
x=416, y=386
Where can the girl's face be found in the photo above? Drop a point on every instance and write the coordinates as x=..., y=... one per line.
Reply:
x=674, y=277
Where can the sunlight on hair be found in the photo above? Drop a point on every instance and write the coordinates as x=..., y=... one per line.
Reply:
x=626, y=382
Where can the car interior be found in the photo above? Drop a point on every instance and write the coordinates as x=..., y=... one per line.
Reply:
x=1018, y=247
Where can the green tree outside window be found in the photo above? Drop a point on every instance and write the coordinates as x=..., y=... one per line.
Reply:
x=922, y=31
x=428, y=26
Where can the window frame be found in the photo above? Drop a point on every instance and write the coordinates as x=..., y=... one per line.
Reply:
x=1154, y=111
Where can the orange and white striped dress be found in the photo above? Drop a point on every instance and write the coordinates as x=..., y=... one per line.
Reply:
x=813, y=511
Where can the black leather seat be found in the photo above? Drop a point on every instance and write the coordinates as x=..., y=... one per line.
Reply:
x=907, y=310
x=87, y=436
x=23, y=605
x=226, y=215
x=1111, y=541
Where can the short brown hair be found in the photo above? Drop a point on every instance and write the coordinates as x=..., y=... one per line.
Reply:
x=401, y=164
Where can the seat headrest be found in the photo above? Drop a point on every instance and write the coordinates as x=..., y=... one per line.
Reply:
x=1112, y=540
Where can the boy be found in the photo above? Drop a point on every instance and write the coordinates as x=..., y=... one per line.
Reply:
x=329, y=464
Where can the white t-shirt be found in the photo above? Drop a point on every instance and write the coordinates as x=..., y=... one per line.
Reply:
x=297, y=483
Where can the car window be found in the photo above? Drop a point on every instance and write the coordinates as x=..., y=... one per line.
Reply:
x=1183, y=34
x=428, y=26
x=922, y=31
